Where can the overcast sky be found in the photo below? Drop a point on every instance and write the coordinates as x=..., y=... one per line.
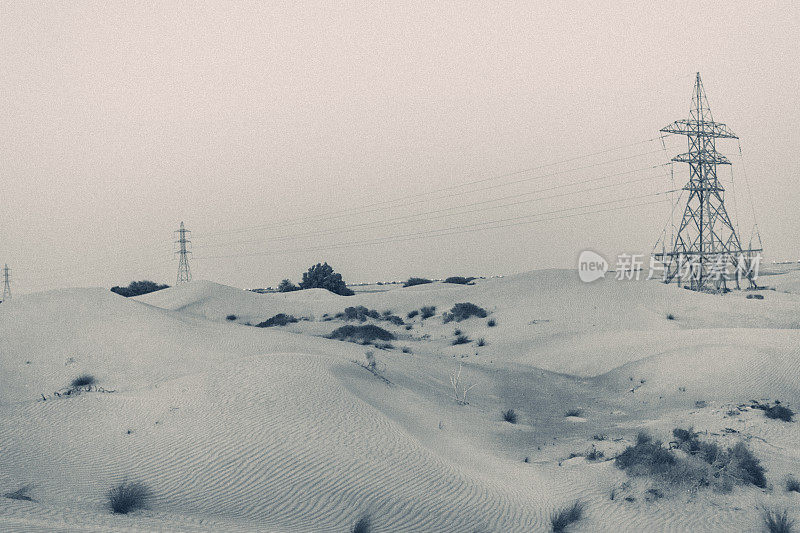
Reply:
x=118, y=120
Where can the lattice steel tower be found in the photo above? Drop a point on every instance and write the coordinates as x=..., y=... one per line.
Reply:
x=707, y=252
x=6, y=283
x=184, y=273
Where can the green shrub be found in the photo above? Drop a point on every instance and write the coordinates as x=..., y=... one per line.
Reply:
x=365, y=334
x=278, y=320
x=427, y=311
x=779, y=412
x=416, y=281
x=459, y=280
x=137, y=288
x=645, y=457
x=287, y=286
x=463, y=311
x=322, y=276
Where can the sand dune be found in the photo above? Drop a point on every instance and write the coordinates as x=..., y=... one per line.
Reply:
x=238, y=428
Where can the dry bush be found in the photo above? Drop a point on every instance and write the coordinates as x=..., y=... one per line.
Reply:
x=561, y=518
x=128, y=496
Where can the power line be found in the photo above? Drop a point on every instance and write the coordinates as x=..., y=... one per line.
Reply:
x=369, y=208
x=512, y=221
x=393, y=221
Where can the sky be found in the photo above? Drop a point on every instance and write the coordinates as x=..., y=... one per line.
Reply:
x=380, y=137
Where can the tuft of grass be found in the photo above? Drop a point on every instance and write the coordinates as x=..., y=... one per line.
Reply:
x=363, y=525
x=230, y=317
x=561, y=518
x=412, y=314
x=461, y=339
x=776, y=521
x=510, y=416
x=20, y=494
x=481, y=342
x=491, y=323
x=457, y=332
x=670, y=317
x=84, y=380
x=792, y=485
x=573, y=412
x=128, y=496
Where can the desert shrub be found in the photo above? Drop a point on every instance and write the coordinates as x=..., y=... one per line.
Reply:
x=594, y=454
x=461, y=339
x=670, y=316
x=412, y=314
x=406, y=349
x=137, y=288
x=481, y=342
x=280, y=319
x=394, y=319
x=359, y=313
x=745, y=466
x=573, y=412
x=287, y=286
x=322, y=276
x=510, y=416
x=384, y=346
x=792, y=485
x=230, y=317
x=463, y=311
x=646, y=457
x=491, y=323
x=128, y=496
x=416, y=281
x=84, y=380
x=459, y=280
x=457, y=332
x=561, y=518
x=779, y=412
x=427, y=311
x=777, y=521
x=363, y=525
x=19, y=494
x=707, y=463
x=365, y=334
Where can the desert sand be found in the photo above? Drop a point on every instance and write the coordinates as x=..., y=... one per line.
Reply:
x=239, y=428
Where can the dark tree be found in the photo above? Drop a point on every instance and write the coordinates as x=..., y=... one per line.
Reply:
x=137, y=288
x=287, y=286
x=322, y=276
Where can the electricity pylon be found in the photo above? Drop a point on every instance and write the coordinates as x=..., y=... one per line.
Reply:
x=707, y=252
x=6, y=283
x=184, y=273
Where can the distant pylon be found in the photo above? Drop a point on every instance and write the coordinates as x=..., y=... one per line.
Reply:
x=6, y=283
x=706, y=252
x=184, y=273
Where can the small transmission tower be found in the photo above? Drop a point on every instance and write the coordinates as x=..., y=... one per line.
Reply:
x=706, y=250
x=6, y=283
x=184, y=273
